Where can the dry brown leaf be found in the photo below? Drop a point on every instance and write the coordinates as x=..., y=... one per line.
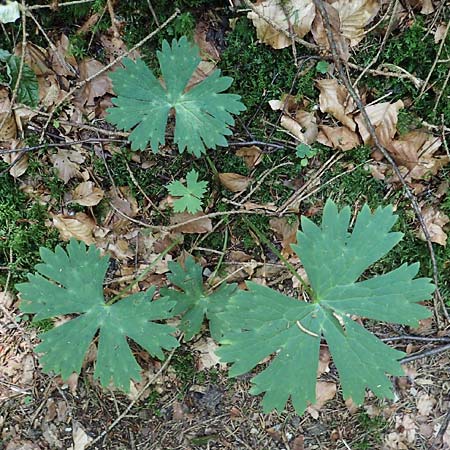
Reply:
x=80, y=226
x=334, y=100
x=429, y=164
x=290, y=16
x=325, y=391
x=252, y=156
x=202, y=225
x=61, y=61
x=383, y=117
x=309, y=125
x=285, y=231
x=435, y=220
x=67, y=163
x=338, y=137
x=234, y=182
x=98, y=86
x=406, y=150
x=319, y=32
x=440, y=33
x=208, y=49
x=35, y=57
x=425, y=404
x=9, y=129
x=87, y=194
x=427, y=7
x=81, y=439
x=354, y=15
x=18, y=161
x=124, y=201
x=208, y=358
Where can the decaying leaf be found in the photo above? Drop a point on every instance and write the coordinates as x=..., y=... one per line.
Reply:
x=338, y=137
x=286, y=230
x=98, y=86
x=234, y=182
x=252, y=156
x=335, y=100
x=67, y=163
x=80, y=226
x=383, y=117
x=18, y=162
x=435, y=221
x=9, y=129
x=319, y=32
x=289, y=16
x=87, y=194
x=202, y=224
x=325, y=391
x=354, y=15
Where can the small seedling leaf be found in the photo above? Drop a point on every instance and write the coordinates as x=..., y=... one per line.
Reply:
x=190, y=195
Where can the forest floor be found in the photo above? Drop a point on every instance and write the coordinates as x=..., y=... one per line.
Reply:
x=65, y=172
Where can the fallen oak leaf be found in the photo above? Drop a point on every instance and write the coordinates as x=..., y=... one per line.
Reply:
x=435, y=221
x=87, y=194
x=203, y=224
x=334, y=99
x=289, y=16
x=286, y=230
x=338, y=137
x=384, y=117
x=252, y=156
x=234, y=182
x=67, y=163
x=80, y=226
x=354, y=15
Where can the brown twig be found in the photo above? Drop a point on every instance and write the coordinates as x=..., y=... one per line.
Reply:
x=439, y=303
x=425, y=353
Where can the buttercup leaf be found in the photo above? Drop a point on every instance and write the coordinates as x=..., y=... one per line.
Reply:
x=194, y=302
x=266, y=322
x=202, y=114
x=190, y=195
x=71, y=282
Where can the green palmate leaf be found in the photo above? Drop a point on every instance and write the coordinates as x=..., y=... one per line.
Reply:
x=266, y=322
x=202, y=114
x=72, y=283
x=194, y=302
x=191, y=195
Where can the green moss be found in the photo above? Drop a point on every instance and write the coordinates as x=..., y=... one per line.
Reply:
x=22, y=231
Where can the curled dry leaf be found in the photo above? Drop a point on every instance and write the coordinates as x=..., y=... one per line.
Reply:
x=319, y=32
x=208, y=358
x=123, y=199
x=252, y=156
x=201, y=225
x=98, y=86
x=435, y=221
x=383, y=117
x=18, y=162
x=334, y=99
x=80, y=226
x=406, y=150
x=67, y=163
x=440, y=33
x=289, y=16
x=354, y=15
x=325, y=391
x=87, y=194
x=285, y=230
x=9, y=129
x=81, y=439
x=234, y=182
x=338, y=137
